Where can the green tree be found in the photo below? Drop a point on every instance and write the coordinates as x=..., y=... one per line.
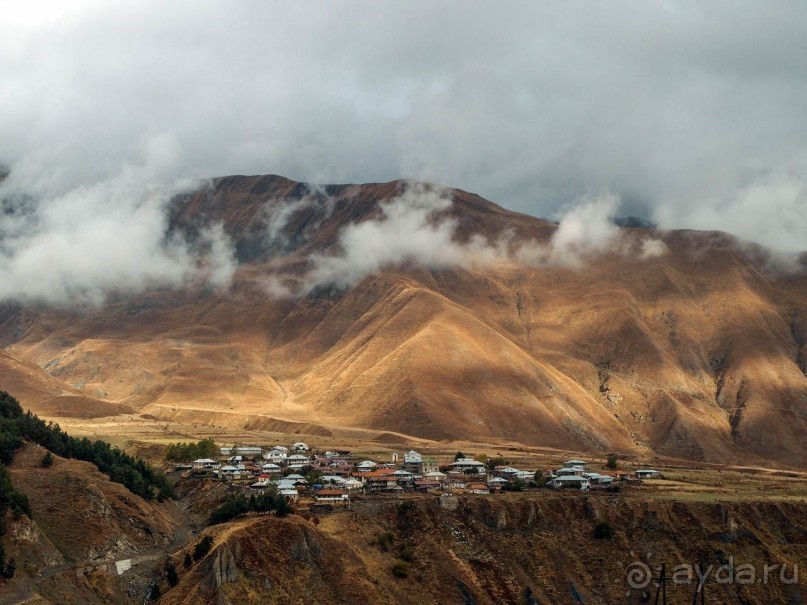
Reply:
x=611, y=462
x=603, y=530
x=400, y=569
x=202, y=548
x=47, y=460
x=171, y=574
x=458, y=455
x=188, y=562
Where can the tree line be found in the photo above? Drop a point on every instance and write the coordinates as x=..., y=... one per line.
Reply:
x=134, y=473
x=188, y=452
x=238, y=504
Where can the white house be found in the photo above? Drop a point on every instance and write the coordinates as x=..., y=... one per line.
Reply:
x=477, y=488
x=297, y=461
x=648, y=474
x=270, y=468
x=229, y=472
x=412, y=457
x=335, y=479
x=243, y=450
x=366, y=466
x=290, y=494
x=573, y=481
x=352, y=484
x=275, y=456
x=576, y=462
x=300, y=447
x=466, y=464
x=571, y=470
x=203, y=464
x=331, y=495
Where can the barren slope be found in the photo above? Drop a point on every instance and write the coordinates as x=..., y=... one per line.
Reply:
x=697, y=353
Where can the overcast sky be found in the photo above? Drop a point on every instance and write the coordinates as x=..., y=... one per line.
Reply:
x=693, y=114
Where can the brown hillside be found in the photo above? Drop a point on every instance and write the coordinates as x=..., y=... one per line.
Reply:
x=497, y=550
x=698, y=353
x=81, y=524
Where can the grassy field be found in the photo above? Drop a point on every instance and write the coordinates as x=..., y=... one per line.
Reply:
x=682, y=480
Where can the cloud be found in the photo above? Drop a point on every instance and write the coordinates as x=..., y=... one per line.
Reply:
x=417, y=229
x=77, y=245
x=410, y=230
x=691, y=113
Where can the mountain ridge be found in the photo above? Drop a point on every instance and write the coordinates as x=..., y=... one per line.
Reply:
x=697, y=352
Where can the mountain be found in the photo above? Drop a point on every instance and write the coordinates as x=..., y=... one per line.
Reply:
x=697, y=351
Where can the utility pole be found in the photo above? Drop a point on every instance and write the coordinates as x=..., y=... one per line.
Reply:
x=661, y=591
x=700, y=587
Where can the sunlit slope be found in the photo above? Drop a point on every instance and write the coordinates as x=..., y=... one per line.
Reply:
x=696, y=353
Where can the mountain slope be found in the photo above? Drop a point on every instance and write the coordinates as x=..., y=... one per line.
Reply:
x=698, y=352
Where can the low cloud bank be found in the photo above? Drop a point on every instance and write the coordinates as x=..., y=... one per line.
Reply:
x=416, y=229
x=77, y=245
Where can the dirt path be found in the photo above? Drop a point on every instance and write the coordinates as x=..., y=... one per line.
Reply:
x=24, y=590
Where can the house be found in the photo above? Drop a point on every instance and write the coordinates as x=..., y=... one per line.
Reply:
x=243, y=450
x=498, y=481
x=291, y=495
x=506, y=472
x=297, y=461
x=297, y=479
x=576, y=462
x=271, y=469
x=413, y=462
x=468, y=466
x=331, y=495
x=228, y=472
x=366, y=466
x=300, y=447
x=352, y=484
x=454, y=483
x=572, y=481
x=648, y=474
x=435, y=476
x=378, y=480
x=204, y=464
x=617, y=475
x=477, y=488
x=571, y=470
x=424, y=485
x=429, y=465
x=597, y=479
x=275, y=456
x=403, y=477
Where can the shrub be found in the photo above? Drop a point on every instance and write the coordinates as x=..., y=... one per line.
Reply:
x=188, y=561
x=407, y=554
x=202, y=548
x=400, y=569
x=611, y=463
x=47, y=460
x=171, y=574
x=603, y=530
x=385, y=541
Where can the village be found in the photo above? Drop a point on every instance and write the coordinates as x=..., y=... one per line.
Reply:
x=334, y=477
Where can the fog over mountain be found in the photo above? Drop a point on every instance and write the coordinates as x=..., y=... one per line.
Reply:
x=688, y=114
